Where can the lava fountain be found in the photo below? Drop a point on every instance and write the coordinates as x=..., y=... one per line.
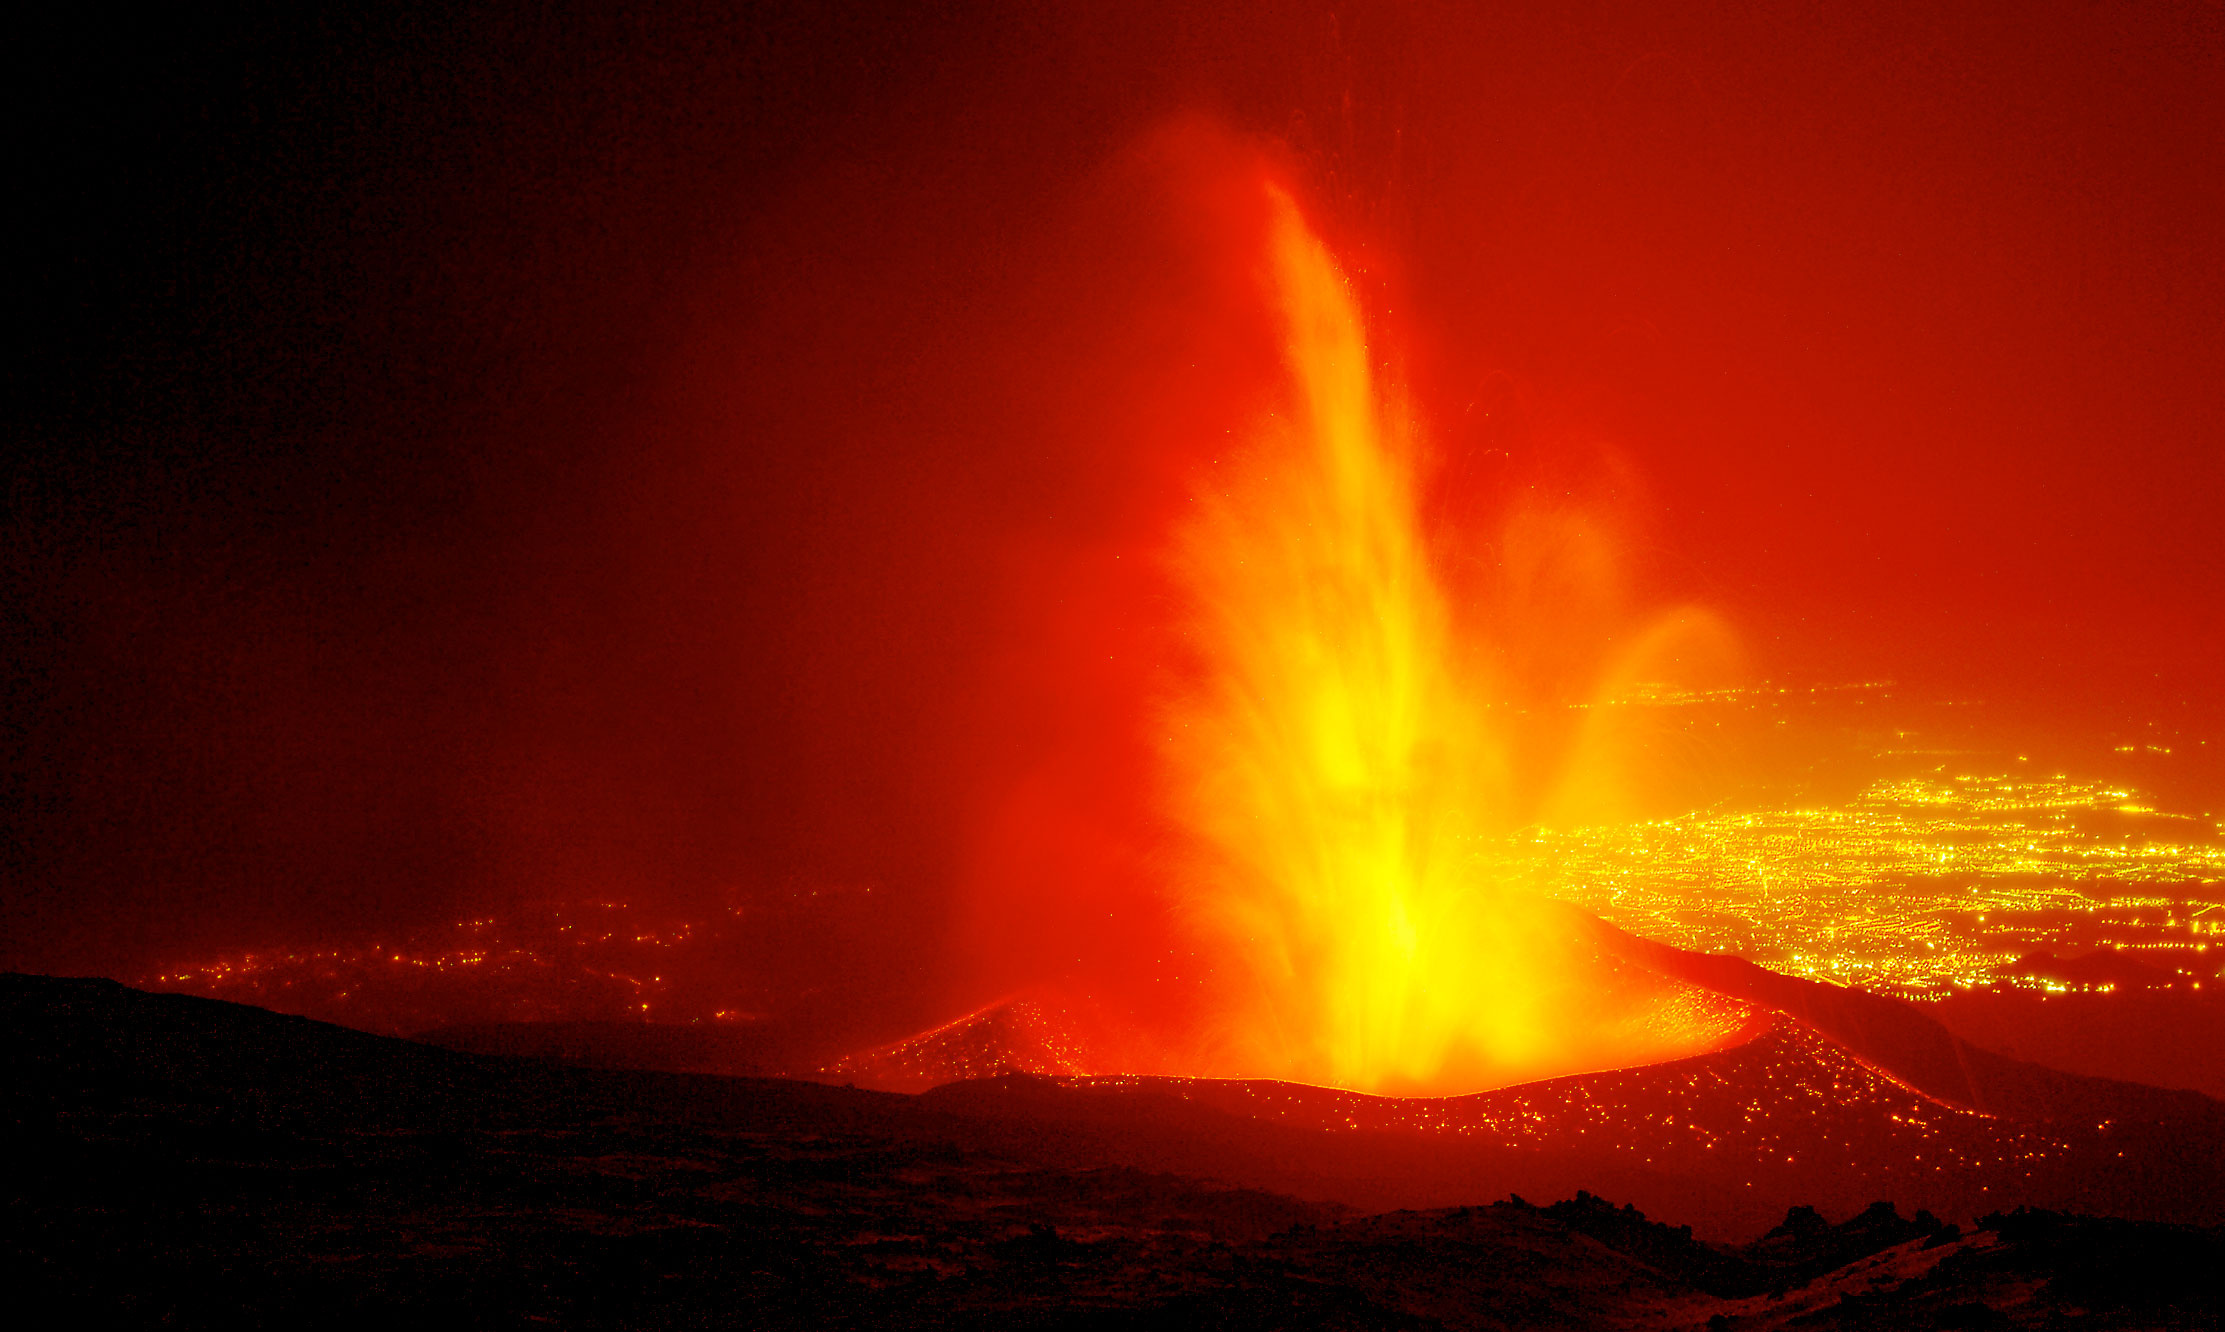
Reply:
x=1334, y=754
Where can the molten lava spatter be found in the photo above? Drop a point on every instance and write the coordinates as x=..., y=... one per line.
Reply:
x=1333, y=756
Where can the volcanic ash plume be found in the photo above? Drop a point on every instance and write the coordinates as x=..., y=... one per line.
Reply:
x=1332, y=757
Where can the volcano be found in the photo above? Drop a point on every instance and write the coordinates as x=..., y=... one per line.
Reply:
x=1816, y=1093
x=1372, y=665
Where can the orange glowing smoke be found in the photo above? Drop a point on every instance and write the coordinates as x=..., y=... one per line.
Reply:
x=1338, y=748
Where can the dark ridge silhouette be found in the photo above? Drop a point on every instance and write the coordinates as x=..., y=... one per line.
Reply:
x=1913, y=1047
x=1797, y=1250
x=755, y=1049
x=2165, y=1038
x=187, y=1162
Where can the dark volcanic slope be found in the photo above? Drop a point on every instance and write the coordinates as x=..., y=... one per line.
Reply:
x=1787, y=1115
x=1844, y=1096
x=186, y=1162
x=1908, y=1042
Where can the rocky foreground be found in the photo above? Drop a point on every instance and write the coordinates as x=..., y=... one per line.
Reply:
x=183, y=1162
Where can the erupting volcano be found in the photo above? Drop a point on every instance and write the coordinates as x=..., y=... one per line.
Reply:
x=1020, y=665
x=1341, y=728
x=1336, y=753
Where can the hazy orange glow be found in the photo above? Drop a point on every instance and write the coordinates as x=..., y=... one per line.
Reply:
x=1340, y=746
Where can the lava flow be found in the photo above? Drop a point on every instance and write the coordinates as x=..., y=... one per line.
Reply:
x=1335, y=751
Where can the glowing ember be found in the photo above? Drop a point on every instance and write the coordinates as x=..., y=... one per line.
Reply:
x=1333, y=760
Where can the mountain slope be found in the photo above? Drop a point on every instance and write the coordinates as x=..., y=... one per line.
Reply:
x=191, y=1163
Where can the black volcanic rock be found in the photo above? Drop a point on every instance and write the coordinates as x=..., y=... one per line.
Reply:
x=749, y=1050
x=182, y=1162
x=1670, y=1250
x=2102, y=1263
x=1805, y=1246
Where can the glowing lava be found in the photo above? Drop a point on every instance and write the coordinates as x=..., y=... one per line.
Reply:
x=1333, y=757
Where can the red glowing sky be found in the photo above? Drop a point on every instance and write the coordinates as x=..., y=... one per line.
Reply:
x=476, y=461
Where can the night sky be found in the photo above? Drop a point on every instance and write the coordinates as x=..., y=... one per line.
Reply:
x=468, y=457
